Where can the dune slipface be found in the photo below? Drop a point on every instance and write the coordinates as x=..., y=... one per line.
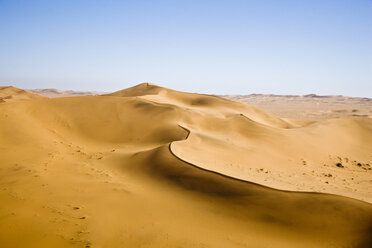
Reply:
x=153, y=167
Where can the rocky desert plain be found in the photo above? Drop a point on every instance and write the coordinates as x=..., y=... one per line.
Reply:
x=149, y=166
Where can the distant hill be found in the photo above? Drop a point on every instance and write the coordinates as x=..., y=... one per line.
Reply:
x=52, y=93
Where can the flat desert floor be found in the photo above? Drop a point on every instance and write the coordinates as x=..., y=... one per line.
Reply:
x=309, y=107
x=153, y=167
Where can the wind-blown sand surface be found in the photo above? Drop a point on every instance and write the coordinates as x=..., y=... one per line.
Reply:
x=304, y=107
x=10, y=93
x=153, y=167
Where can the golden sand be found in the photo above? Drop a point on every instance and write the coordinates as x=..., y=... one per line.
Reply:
x=153, y=167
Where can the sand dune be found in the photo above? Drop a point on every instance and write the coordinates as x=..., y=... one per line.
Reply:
x=299, y=107
x=10, y=93
x=153, y=167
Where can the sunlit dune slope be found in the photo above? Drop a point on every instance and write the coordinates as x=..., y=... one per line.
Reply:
x=248, y=143
x=153, y=167
x=219, y=107
x=10, y=93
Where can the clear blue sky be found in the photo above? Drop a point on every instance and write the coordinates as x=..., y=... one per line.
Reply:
x=218, y=47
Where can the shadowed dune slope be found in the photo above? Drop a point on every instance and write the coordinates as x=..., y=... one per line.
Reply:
x=289, y=155
x=152, y=167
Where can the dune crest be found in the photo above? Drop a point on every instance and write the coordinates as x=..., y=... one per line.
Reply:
x=153, y=167
x=10, y=93
x=201, y=103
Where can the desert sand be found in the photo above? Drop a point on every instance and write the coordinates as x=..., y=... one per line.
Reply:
x=10, y=93
x=309, y=107
x=303, y=107
x=153, y=167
